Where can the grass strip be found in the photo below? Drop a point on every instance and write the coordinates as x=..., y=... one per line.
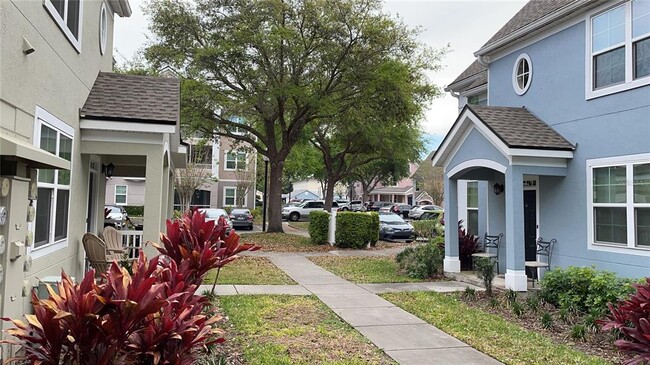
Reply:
x=488, y=333
x=248, y=270
x=281, y=329
x=364, y=270
x=283, y=242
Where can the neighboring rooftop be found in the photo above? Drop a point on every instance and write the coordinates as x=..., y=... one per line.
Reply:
x=519, y=128
x=474, y=69
x=145, y=99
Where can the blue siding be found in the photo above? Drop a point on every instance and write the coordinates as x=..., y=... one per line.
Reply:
x=613, y=125
x=476, y=146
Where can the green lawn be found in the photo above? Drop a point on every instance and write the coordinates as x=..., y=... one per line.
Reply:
x=488, y=333
x=364, y=270
x=283, y=242
x=299, y=225
x=282, y=329
x=250, y=270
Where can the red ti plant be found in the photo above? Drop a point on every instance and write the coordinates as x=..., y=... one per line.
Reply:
x=467, y=245
x=632, y=318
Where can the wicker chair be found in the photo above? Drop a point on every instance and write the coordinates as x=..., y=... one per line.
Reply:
x=97, y=254
x=113, y=241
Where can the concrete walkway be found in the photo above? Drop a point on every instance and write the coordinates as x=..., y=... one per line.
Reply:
x=403, y=336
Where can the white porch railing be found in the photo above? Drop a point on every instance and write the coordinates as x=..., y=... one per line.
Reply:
x=132, y=242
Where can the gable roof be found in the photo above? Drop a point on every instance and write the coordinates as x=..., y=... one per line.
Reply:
x=514, y=131
x=519, y=128
x=473, y=69
x=144, y=99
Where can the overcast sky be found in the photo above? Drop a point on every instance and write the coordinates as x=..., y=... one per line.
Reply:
x=465, y=25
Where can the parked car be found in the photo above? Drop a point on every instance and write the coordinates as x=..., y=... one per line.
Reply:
x=418, y=210
x=431, y=214
x=303, y=210
x=375, y=206
x=213, y=214
x=401, y=209
x=392, y=226
x=241, y=217
x=115, y=216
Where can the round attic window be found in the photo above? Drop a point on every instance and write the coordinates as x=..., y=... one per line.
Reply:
x=103, y=28
x=522, y=74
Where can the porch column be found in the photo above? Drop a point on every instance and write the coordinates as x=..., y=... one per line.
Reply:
x=154, y=213
x=482, y=208
x=452, y=260
x=514, y=237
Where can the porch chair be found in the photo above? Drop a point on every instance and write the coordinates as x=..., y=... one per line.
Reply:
x=113, y=240
x=96, y=252
x=544, y=248
x=490, y=242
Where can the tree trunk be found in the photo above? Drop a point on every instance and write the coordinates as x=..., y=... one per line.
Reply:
x=364, y=192
x=274, y=207
x=329, y=194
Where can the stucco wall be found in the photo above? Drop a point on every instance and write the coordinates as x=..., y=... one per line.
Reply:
x=614, y=125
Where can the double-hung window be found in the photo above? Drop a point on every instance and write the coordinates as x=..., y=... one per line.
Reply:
x=53, y=202
x=229, y=196
x=120, y=194
x=472, y=208
x=235, y=161
x=619, y=48
x=619, y=206
x=67, y=14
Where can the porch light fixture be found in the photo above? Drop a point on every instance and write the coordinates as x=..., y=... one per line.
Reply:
x=108, y=169
x=498, y=188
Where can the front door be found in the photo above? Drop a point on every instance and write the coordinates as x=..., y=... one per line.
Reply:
x=530, y=224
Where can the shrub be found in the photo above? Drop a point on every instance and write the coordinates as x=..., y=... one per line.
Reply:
x=421, y=262
x=426, y=228
x=578, y=332
x=319, y=226
x=511, y=296
x=256, y=212
x=485, y=271
x=148, y=317
x=134, y=210
x=583, y=288
x=467, y=245
x=469, y=292
x=356, y=230
x=547, y=320
x=517, y=309
x=631, y=317
x=532, y=302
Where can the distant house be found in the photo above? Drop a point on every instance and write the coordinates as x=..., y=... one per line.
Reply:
x=552, y=139
x=67, y=123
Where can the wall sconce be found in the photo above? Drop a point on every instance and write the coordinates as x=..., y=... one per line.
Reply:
x=108, y=169
x=27, y=47
x=498, y=188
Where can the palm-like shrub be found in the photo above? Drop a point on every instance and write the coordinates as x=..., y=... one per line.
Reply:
x=152, y=316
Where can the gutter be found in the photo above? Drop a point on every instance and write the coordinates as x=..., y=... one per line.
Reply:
x=121, y=7
x=572, y=9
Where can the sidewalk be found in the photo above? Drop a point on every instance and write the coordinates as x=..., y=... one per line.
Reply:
x=404, y=337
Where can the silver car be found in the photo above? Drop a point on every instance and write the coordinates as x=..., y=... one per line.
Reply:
x=417, y=210
x=213, y=214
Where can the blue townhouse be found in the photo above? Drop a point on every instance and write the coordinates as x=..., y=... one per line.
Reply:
x=553, y=139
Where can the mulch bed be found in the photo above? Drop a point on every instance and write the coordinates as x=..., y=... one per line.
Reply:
x=596, y=342
x=228, y=352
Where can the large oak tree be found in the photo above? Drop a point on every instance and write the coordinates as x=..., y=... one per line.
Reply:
x=262, y=71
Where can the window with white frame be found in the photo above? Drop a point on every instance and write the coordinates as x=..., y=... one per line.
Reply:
x=620, y=204
x=67, y=14
x=478, y=99
x=235, y=160
x=120, y=194
x=620, y=47
x=229, y=196
x=522, y=74
x=472, y=208
x=52, y=204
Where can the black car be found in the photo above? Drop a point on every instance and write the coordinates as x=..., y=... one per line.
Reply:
x=401, y=209
x=375, y=206
x=392, y=227
x=241, y=218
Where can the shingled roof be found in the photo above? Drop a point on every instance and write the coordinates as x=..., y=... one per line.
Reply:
x=519, y=128
x=471, y=70
x=533, y=11
x=145, y=99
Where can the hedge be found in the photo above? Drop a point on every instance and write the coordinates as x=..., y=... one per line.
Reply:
x=319, y=222
x=356, y=230
x=428, y=228
x=134, y=210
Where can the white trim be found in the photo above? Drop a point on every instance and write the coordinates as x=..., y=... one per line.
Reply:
x=108, y=125
x=235, y=202
x=516, y=280
x=630, y=82
x=451, y=264
x=93, y=135
x=515, y=85
x=76, y=42
x=528, y=152
x=50, y=119
x=126, y=195
x=460, y=141
x=628, y=161
x=103, y=31
x=477, y=163
x=538, y=161
x=534, y=188
x=236, y=153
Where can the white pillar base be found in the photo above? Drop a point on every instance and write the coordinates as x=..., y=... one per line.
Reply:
x=331, y=234
x=516, y=280
x=451, y=264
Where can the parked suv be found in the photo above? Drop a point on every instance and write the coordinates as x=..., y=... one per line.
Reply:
x=417, y=211
x=354, y=205
x=303, y=210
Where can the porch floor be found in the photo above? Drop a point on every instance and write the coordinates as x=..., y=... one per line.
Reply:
x=499, y=282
